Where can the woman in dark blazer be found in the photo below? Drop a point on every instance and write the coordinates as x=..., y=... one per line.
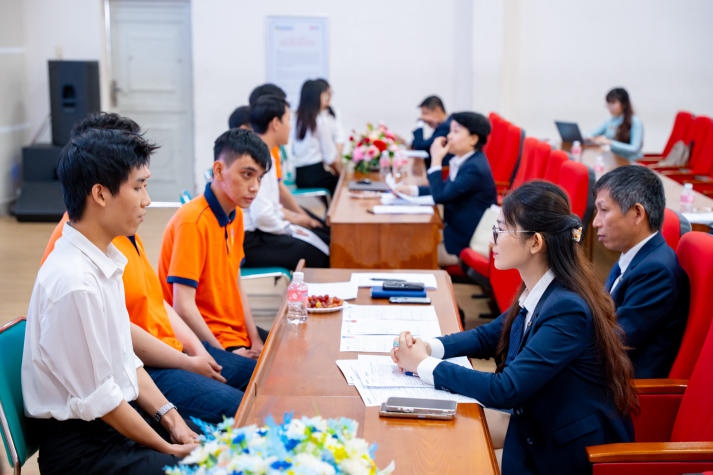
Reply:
x=468, y=189
x=562, y=369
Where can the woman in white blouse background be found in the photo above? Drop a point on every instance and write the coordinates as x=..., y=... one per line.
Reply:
x=315, y=149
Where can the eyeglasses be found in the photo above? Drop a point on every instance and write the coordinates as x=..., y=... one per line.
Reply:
x=497, y=232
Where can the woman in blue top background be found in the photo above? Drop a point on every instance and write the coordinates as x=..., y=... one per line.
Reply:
x=623, y=132
x=561, y=365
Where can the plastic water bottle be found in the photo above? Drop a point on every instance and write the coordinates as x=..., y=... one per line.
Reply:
x=297, y=299
x=576, y=151
x=599, y=167
x=687, y=198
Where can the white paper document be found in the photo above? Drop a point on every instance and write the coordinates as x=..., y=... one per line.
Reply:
x=377, y=378
x=342, y=290
x=705, y=217
x=391, y=199
x=401, y=209
x=373, y=279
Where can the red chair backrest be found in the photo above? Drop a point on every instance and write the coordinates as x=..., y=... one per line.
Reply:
x=674, y=226
x=695, y=254
x=540, y=160
x=681, y=124
x=496, y=140
x=503, y=167
x=526, y=166
x=554, y=165
x=702, y=129
x=694, y=421
x=574, y=179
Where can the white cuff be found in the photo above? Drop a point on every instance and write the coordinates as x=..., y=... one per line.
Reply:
x=426, y=368
x=437, y=349
x=102, y=401
x=434, y=169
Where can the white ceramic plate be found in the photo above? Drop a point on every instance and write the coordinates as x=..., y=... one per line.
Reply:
x=325, y=309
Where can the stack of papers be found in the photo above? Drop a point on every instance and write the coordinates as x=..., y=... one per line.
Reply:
x=377, y=378
x=401, y=209
x=372, y=328
x=372, y=279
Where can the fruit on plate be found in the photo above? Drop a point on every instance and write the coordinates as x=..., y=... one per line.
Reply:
x=324, y=301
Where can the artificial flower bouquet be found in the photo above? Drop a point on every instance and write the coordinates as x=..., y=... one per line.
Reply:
x=305, y=446
x=367, y=150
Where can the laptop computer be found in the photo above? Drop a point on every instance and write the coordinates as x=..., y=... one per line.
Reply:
x=569, y=132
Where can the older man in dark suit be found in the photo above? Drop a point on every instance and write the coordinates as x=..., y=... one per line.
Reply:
x=649, y=288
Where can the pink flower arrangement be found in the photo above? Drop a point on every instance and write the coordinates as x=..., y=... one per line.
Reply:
x=367, y=149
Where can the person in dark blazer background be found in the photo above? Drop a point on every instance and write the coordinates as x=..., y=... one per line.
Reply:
x=561, y=365
x=469, y=188
x=649, y=288
x=433, y=114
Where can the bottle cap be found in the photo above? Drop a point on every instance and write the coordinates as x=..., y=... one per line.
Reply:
x=688, y=186
x=298, y=276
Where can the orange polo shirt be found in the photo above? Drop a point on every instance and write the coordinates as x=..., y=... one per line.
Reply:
x=277, y=161
x=142, y=289
x=203, y=247
x=143, y=294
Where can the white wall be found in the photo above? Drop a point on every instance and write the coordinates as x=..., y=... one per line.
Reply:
x=380, y=67
x=531, y=60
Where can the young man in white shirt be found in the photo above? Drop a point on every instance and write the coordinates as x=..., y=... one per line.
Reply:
x=271, y=239
x=79, y=371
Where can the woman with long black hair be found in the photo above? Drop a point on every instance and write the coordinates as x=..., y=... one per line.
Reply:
x=624, y=131
x=562, y=370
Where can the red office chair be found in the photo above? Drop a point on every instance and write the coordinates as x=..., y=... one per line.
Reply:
x=695, y=254
x=525, y=168
x=504, y=166
x=674, y=226
x=683, y=441
x=576, y=179
x=700, y=165
x=554, y=165
x=699, y=130
x=493, y=148
x=681, y=124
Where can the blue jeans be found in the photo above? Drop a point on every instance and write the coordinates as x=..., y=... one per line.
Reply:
x=202, y=397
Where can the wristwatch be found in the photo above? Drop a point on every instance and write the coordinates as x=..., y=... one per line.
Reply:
x=163, y=410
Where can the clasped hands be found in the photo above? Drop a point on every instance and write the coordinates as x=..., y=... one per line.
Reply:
x=408, y=352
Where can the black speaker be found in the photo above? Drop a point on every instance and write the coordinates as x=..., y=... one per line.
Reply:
x=74, y=93
x=39, y=162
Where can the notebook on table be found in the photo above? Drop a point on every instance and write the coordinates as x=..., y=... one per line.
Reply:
x=367, y=185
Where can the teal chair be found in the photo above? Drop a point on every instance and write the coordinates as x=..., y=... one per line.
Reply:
x=19, y=445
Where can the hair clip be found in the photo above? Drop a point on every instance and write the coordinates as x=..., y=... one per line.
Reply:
x=577, y=234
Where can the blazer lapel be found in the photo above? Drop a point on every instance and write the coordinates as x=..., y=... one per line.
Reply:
x=536, y=313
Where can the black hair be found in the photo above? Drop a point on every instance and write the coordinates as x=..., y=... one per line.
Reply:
x=633, y=184
x=99, y=156
x=234, y=143
x=433, y=102
x=267, y=89
x=264, y=110
x=239, y=117
x=477, y=124
x=310, y=106
x=623, y=132
x=104, y=120
x=327, y=87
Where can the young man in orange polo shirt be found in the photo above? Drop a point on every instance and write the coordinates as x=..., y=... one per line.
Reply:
x=202, y=248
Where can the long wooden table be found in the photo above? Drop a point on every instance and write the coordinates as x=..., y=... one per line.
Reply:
x=362, y=240
x=297, y=373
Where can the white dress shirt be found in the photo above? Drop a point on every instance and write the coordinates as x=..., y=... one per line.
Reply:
x=265, y=212
x=528, y=299
x=78, y=362
x=317, y=146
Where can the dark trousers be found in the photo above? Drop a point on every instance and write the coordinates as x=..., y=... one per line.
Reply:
x=94, y=447
x=280, y=250
x=315, y=176
x=202, y=397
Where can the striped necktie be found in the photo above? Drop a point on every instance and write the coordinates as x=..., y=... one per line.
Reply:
x=613, y=275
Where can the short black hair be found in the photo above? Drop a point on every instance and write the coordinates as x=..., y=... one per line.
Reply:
x=265, y=109
x=99, y=156
x=633, y=184
x=241, y=142
x=477, y=124
x=104, y=120
x=239, y=117
x=433, y=102
x=267, y=89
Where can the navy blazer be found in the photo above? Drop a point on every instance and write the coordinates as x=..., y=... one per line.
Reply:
x=651, y=302
x=555, y=385
x=464, y=200
x=419, y=143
